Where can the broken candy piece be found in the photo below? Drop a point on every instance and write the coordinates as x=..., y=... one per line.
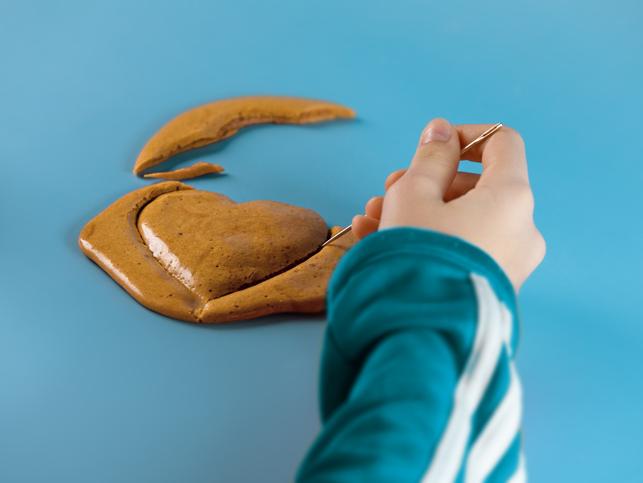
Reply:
x=197, y=169
x=300, y=289
x=219, y=120
x=200, y=257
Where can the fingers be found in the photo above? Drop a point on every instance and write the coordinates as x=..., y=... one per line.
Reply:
x=364, y=225
x=393, y=177
x=373, y=208
x=462, y=183
x=502, y=155
x=437, y=156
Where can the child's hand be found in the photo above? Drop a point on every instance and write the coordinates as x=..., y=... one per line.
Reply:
x=493, y=210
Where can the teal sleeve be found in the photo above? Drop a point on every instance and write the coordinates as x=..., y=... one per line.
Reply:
x=417, y=376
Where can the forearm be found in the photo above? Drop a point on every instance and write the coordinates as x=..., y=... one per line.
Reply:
x=417, y=378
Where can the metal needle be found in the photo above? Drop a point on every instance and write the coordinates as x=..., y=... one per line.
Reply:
x=489, y=132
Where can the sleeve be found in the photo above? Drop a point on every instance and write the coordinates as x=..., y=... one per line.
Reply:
x=417, y=375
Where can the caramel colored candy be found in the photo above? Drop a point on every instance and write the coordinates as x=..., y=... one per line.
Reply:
x=199, y=256
x=219, y=120
x=200, y=168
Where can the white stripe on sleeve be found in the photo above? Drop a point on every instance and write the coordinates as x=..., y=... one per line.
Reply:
x=520, y=476
x=507, y=327
x=471, y=386
x=498, y=434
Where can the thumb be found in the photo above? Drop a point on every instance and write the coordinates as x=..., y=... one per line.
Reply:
x=437, y=155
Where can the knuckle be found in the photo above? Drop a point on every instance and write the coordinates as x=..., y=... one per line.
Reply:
x=519, y=193
x=543, y=243
x=526, y=198
x=540, y=245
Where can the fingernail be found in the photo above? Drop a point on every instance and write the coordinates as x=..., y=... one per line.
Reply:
x=437, y=130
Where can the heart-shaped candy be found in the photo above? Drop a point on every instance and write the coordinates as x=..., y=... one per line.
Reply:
x=215, y=246
x=201, y=257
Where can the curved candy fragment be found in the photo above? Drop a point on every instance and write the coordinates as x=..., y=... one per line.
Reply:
x=200, y=168
x=114, y=243
x=221, y=119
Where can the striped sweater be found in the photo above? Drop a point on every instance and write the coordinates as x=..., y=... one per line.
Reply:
x=417, y=375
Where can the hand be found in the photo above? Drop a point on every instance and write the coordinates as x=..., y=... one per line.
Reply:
x=493, y=211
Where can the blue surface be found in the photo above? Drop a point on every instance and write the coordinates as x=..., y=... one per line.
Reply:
x=93, y=387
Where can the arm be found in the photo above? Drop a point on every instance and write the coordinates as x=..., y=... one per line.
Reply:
x=417, y=376
x=418, y=382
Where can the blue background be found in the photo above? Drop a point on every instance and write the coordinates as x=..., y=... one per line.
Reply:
x=94, y=388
